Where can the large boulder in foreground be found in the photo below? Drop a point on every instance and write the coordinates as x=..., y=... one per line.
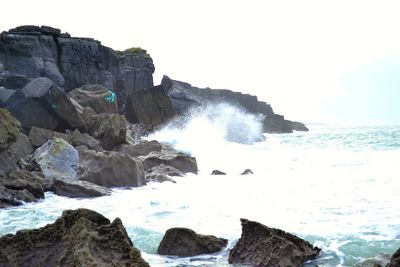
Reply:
x=185, y=242
x=57, y=159
x=150, y=107
x=43, y=104
x=78, y=238
x=260, y=245
x=110, y=169
x=395, y=259
x=18, y=187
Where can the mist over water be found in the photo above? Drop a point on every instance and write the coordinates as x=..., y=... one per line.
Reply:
x=335, y=187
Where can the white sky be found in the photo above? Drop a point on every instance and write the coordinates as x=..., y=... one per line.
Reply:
x=313, y=61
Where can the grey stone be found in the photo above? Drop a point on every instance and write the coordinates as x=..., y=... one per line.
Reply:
x=79, y=189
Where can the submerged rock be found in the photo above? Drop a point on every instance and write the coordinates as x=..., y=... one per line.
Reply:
x=380, y=260
x=217, y=172
x=78, y=238
x=18, y=187
x=162, y=173
x=185, y=242
x=111, y=169
x=247, y=171
x=260, y=245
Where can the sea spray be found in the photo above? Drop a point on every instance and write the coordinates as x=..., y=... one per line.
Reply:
x=212, y=124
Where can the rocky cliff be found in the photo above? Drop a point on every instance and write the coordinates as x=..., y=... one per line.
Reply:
x=183, y=96
x=28, y=52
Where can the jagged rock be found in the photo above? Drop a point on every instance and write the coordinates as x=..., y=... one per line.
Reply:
x=57, y=159
x=110, y=169
x=380, y=260
x=260, y=245
x=84, y=139
x=110, y=129
x=184, y=96
x=18, y=187
x=217, y=172
x=43, y=104
x=141, y=148
x=394, y=260
x=13, y=144
x=77, y=189
x=99, y=98
x=135, y=132
x=78, y=238
x=185, y=242
x=247, y=171
x=150, y=107
x=161, y=174
x=178, y=160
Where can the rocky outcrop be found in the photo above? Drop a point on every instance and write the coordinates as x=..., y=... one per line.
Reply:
x=18, y=187
x=394, y=260
x=150, y=107
x=78, y=238
x=185, y=242
x=32, y=52
x=184, y=96
x=217, y=172
x=380, y=260
x=97, y=97
x=246, y=172
x=170, y=157
x=78, y=189
x=13, y=143
x=260, y=245
x=43, y=104
x=110, y=169
x=162, y=173
x=109, y=129
x=141, y=148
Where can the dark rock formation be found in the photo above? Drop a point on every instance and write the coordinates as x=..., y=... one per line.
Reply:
x=184, y=96
x=33, y=51
x=141, y=148
x=39, y=136
x=110, y=169
x=78, y=238
x=395, y=259
x=247, y=171
x=161, y=173
x=109, y=129
x=43, y=104
x=178, y=160
x=99, y=98
x=260, y=245
x=150, y=107
x=13, y=143
x=18, y=187
x=185, y=242
x=78, y=189
x=217, y=172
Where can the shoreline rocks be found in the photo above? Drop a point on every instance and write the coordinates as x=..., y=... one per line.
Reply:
x=260, y=245
x=78, y=238
x=184, y=242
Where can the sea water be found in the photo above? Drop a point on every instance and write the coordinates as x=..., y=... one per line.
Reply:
x=336, y=187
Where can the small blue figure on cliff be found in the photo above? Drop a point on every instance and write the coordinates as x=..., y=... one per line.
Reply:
x=111, y=97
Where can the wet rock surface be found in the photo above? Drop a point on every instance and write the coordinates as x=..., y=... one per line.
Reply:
x=78, y=238
x=185, y=242
x=260, y=245
x=394, y=260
